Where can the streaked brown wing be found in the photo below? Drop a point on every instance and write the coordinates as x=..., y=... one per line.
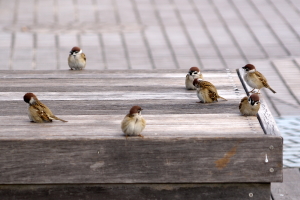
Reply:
x=83, y=56
x=38, y=115
x=242, y=100
x=213, y=95
x=262, y=79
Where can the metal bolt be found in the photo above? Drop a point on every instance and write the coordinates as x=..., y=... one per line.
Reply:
x=271, y=170
x=271, y=147
x=250, y=194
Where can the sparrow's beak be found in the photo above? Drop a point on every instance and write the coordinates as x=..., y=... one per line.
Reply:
x=243, y=67
x=191, y=73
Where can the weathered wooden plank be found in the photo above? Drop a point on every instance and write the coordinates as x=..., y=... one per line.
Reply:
x=264, y=115
x=10, y=108
x=98, y=126
x=134, y=191
x=214, y=159
x=105, y=74
x=289, y=188
x=171, y=83
x=112, y=95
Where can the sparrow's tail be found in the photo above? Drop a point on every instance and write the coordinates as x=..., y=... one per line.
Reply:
x=222, y=98
x=272, y=90
x=54, y=117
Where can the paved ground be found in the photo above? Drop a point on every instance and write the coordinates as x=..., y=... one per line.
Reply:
x=162, y=34
x=290, y=130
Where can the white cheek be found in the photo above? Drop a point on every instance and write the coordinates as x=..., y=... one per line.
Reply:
x=252, y=71
x=32, y=101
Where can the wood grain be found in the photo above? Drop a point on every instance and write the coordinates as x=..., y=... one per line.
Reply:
x=141, y=160
x=97, y=126
x=134, y=191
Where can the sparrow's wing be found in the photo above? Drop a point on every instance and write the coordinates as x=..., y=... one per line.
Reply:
x=38, y=114
x=125, y=125
x=262, y=79
x=213, y=95
x=49, y=113
x=242, y=100
x=143, y=123
x=212, y=91
x=83, y=56
x=45, y=111
x=209, y=86
x=187, y=78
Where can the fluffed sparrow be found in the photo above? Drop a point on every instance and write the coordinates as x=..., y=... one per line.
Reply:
x=77, y=59
x=255, y=79
x=194, y=72
x=249, y=106
x=133, y=123
x=37, y=111
x=206, y=91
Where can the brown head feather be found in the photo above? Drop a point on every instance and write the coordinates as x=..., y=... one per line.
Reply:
x=135, y=109
x=28, y=96
x=75, y=49
x=194, y=69
x=249, y=67
x=254, y=97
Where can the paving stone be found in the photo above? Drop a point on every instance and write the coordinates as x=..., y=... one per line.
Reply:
x=289, y=128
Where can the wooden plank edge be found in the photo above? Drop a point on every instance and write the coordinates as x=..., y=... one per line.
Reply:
x=264, y=115
x=231, y=191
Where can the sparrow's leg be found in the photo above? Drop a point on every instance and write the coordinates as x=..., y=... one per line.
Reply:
x=257, y=92
x=199, y=102
x=140, y=135
x=252, y=90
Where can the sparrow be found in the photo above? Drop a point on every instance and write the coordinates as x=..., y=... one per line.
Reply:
x=249, y=106
x=77, y=59
x=133, y=123
x=37, y=111
x=255, y=79
x=206, y=91
x=194, y=72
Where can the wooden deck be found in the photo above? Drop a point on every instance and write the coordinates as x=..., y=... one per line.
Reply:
x=159, y=34
x=201, y=147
